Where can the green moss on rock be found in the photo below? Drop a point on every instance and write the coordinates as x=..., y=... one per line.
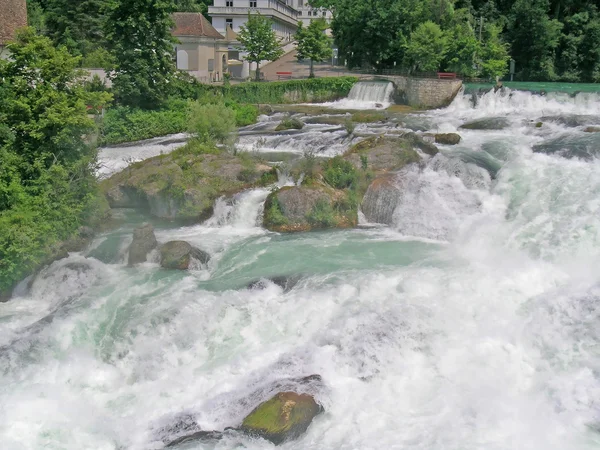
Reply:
x=290, y=123
x=284, y=417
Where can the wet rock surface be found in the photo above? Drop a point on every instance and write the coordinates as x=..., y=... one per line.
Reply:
x=144, y=241
x=177, y=255
x=493, y=123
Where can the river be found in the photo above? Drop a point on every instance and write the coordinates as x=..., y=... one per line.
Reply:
x=473, y=322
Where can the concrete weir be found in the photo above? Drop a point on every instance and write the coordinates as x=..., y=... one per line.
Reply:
x=423, y=92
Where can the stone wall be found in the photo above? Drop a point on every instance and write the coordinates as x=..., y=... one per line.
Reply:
x=13, y=15
x=425, y=92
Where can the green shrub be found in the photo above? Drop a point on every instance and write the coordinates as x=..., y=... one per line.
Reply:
x=124, y=124
x=273, y=214
x=322, y=215
x=349, y=125
x=212, y=123
x=339, y=173
x=364, y=162
x=244, y=114
x=290, y=123
x=269, y=178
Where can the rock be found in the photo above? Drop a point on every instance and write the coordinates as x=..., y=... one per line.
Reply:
x=380, y=200
x=284, y=417
x=447, y=138
x=386, y=153
x=182, y=185
x=306, y=208
x=144, y=241
x=284, y=282
x=418, y=142
x=493, y=123
x=203, y=436
x=290, y=123
x=265, y=109
x=178, y=255
x=592, y=130
x=539, y=124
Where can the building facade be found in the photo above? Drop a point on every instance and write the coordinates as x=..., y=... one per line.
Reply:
x=13, y=15
x=308, y=13
x=201, y=51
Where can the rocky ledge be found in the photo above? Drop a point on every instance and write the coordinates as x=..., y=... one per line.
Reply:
x=184, y=185
x=331, y=196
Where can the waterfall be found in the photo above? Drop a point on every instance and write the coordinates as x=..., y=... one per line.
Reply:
x=367, y=95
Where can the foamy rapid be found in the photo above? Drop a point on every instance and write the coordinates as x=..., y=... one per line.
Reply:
x=469, y=323
x=367, y=95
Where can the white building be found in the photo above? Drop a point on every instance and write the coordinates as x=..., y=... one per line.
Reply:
x=307, y=13
x=234, y=13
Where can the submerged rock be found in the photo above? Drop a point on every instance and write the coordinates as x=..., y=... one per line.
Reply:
x=573, y=120
x=585, y=147
x=286, y=282
x=284, y=417
x=493, y=123
x=447, y=138
x=144, y=241
x=178, y=255
x=197, y=436
x=592, y=130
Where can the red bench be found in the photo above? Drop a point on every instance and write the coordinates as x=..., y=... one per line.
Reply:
x=446, y=76
x=284, y=75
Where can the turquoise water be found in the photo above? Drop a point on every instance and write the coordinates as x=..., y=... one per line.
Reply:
x=569, y=88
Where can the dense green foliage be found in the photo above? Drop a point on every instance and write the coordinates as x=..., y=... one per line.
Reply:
x=138, y=33
x=339, y=173
x=212, y=123
x=313, y=43
x=259, y=41
x=47, y=187
x=550, y=40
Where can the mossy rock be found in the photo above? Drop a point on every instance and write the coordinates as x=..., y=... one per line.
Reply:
x=383, y=154
x=492, y=123
x=592, y=130
x=177, y=255
x=447, y=138
x=284, y=417
x=290, y=123
x=369, y=117
x=184, y=184
x=306, y=208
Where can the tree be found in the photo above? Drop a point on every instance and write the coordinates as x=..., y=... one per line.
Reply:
x=313, y=43
x=139, y=35
x=259, y=41
x=462, y=45
x=200, y=6
x=494, y=53
x=77, y=25
x=47, y=184
x=534, y=38
x=426, y=48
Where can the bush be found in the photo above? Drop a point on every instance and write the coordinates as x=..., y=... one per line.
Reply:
x=244, y=114
x=124, y=124
x=349, y=125
x=339, y=173
x=212, y=123
x=273, y=214
x=322, y=215
x=290, y=123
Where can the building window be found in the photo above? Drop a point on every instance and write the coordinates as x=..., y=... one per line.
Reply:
x=309, y=13
x=229, y=23
x=324, y=13
x=300, y=3
x=229, y=3
x=252, y=4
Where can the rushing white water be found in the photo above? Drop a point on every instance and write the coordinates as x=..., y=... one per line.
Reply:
x=367, y=95
x=114, y=159
x=471, y=323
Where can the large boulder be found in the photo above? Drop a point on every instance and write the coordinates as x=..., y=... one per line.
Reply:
x=182, y=185
x=382, y=153
x=178, y=255
x=381, y=199
x=447, y=138
x=492, y=123
x=284, y=417
x=305, y=208
x=144, y=241
x=592, y=130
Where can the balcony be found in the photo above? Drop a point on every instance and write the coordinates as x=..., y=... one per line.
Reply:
x=275, y=9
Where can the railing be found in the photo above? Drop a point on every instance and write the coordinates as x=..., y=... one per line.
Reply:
x=281, y=8
x=396, y=72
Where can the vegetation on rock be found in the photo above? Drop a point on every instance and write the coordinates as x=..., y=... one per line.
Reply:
x=290, y=123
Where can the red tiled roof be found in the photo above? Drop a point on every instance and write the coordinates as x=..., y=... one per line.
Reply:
x=194, y=24
x=13, y=15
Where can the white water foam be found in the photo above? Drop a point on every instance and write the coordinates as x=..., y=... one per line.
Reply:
x=366, y=95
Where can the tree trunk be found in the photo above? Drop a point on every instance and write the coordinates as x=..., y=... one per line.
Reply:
x=312, y=69
x=257, y=70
